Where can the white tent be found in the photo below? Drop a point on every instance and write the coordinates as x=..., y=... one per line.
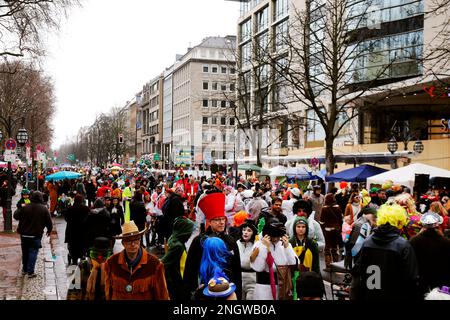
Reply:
x=407, y=175
x=278, y=171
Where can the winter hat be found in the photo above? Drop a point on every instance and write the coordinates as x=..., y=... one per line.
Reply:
x=26, y=191
x=212, y=205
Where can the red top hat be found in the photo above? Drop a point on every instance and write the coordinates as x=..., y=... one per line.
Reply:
x=213, y=205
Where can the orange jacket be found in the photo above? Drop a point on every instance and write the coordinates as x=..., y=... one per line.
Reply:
x=147, y=279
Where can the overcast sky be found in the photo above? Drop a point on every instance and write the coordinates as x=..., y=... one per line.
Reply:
x=108, y=49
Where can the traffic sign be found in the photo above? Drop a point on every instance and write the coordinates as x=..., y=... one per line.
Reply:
x=10, y=144
x=9, y=156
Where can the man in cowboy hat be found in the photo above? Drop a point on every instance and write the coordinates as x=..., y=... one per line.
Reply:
x=134, y=274
x=212, y=206
x=433, y=254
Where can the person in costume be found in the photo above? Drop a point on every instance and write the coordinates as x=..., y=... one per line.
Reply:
x=245, y=243
x=88, y=283
x=305, y=249
x=214, y=261
x=387, y=266
x=175, y=258
x=133, y=273
x=219, y=288
x=25, y=199
x=413, y=226
x=315, y=233
x=117, y=217
x=353, y=207
x=126, y=197
x=433, y=253
x=331, y=222
x=271, y=251
x=238, y=219
x=75, y=216
x=212, y=206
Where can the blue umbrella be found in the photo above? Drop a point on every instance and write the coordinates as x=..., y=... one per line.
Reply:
x=61, y=175
x=358, y=174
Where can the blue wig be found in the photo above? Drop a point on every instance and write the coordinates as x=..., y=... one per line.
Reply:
x=214, y=258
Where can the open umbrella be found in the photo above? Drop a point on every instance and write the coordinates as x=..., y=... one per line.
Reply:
x=61, y=175
x=116, y=165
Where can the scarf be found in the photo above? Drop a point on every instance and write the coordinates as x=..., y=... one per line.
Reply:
x=93, y=286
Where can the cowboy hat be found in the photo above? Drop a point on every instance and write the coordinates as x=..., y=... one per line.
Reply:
x=130, y=230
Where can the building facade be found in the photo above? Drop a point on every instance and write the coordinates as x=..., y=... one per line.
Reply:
x=408, y=97
x=203, y=93
x=151, y=105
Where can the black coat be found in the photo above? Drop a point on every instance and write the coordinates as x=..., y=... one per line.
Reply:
x=97, y=224
x=138, y=213
x=91, y=190
x=75, y=217
x=173, y=209
x=117, y=219
x=396, y=261
x=34, y=217
x=433, y=257
x=194, y=257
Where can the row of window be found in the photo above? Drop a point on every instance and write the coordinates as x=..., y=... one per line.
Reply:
x=215, y=86
x=369, y=13
x=223, y=121
x=215, y=69
x=213, y=138
x=215, y=103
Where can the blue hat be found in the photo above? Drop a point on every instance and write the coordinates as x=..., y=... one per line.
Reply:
x=219, y=287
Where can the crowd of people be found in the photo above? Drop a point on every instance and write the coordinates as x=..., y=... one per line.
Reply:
x=245, y=239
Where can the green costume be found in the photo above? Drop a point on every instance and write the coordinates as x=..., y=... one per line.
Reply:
x=175, y=258
x=127, y=194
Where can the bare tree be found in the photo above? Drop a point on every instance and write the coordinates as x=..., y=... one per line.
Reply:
x=23, y=23
x=326, y=43
x=256, y=103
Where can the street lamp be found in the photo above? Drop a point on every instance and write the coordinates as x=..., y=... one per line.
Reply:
x=22, y=138
x=392, y=145
x=404, y=134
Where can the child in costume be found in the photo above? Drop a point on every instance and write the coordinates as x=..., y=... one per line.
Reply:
x=346, y=228
x=25, y=198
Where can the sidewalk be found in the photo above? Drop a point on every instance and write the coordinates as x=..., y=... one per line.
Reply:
x=51, y=280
